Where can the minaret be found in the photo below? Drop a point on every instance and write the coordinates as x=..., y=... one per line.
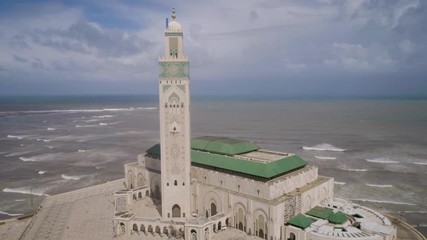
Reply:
x=174, y=108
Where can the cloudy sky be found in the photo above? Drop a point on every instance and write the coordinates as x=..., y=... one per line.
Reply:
x=241, y=47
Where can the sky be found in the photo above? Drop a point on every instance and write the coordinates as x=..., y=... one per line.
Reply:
x=241, y=47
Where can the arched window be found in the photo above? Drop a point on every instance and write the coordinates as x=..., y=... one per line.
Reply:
x=292, y=236
x=213, y=209
x=176, y=211
x=175, y=183
x=135, y=227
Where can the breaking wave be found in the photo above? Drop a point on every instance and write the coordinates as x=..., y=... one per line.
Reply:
x=81, y=151
x=325, y=158
x=51, y=129
x=420, y=163
x=41, y=172
x=69, y=177
x=340, y=183
x=378, y=185
x=18, y=136
x=355, y=169
x=387, y=202
x=324, y=147
x=103, y=116
x=27, y=159
x=11, y=214
x=381, y=160
x=81, y=110
x=83, y=126
x=25, y=191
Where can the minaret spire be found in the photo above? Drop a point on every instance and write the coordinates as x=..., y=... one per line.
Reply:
x=173, y=14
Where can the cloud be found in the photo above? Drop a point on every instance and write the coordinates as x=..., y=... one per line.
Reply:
x=359, y=58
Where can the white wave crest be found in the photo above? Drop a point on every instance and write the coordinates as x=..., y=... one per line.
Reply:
x=378, y=185
x=92, y=120
x=355, y=169
x=103, y=116
x=381, y=160
x=14, y=154
x=25, y=191
x=146, y=108
x=324, y=147
x=41, y=172
x=422, y=212
x=11, y=214
x=27, y=159
x=387, y=202
x=19, y=200
x=340, y=183
x=18, y=136
x=325, y=158
x=103, y=124
x=83, y=126
x=420, y=163
x=69, y=177
x=51, y=129
x=81, y=151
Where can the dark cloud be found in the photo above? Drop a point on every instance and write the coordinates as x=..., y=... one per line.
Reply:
x=20, y=59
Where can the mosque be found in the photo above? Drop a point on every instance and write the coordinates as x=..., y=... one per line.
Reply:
x=203, y=185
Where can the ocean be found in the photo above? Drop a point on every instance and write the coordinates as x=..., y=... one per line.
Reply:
x=376, y=149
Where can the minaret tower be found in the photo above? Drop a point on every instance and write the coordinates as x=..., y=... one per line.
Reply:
x=174, y=108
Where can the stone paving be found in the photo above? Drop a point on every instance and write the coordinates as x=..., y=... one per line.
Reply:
x=87, y=214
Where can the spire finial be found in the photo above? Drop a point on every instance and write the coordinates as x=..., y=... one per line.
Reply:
x=173, y=14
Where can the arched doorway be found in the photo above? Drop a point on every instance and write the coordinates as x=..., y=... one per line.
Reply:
x=292, y=236
x=122, y=229
x=165, y=231
x=131, y=182
x=193, y=234
x=213, y=209
x=140, y=195
x=176, y=211
x=135, y=227
x=147, y=193
x=158, y=229
x=260, y=226
x=240, y=219
x=219, y=226
x=143, y=228
x=206, y=233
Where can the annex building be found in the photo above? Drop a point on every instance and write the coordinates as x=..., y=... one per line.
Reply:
x=203, y=185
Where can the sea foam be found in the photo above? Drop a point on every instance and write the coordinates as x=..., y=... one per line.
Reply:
x=381, y=160
x=378, y=185
x=17, y=136
x=355, y=169
x=325, y=158
x=387, y=202
x=340, y=183
x=69, y=177
x=324, y=147
x=24, y=191
x=27, y=159
x=11, y=214
x=420, y=163
x=41, y=172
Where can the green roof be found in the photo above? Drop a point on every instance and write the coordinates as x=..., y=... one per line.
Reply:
x=320, y=212
x=338, y=218
x=223, y=145
x=226, y=162
x=301, y=221
x=264, y=170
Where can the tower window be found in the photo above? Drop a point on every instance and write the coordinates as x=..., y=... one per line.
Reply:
x=183, y=184
x=167, y=184
x=176, y=183
x=166, y=105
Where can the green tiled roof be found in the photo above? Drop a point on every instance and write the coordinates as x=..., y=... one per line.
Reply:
x=234, y=164
x=223, y=145
x=264, y=170
x=301, y=221
x=320, y=212
x=338, y=218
